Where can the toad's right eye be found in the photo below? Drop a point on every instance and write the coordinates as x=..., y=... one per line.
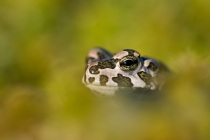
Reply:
x=129, y=63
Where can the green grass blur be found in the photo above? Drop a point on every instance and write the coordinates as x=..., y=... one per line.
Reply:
x=43, y=44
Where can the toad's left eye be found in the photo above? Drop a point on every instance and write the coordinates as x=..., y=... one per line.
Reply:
x=128, y=63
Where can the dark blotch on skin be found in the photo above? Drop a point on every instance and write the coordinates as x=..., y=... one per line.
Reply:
x=111, y=63
x=122, y=81
x=91, y=79
x=94, y=69
x=145, y=77
x=103, y=80
x=152, y=66
x=130, y=51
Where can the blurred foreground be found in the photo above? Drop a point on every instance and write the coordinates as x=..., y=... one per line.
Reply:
x=42, y=52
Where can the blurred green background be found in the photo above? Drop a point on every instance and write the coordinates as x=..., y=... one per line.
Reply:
x=43, y=44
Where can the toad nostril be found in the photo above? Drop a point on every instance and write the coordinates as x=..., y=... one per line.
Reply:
x=94, y=70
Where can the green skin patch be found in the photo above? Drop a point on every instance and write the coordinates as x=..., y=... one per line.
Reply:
x=122, y=81
x=91, y=79
x=103, y=80
x=108, y=64
x=102, y=65
x=145, y=77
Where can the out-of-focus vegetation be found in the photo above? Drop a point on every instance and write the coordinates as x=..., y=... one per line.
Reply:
x=43, y=44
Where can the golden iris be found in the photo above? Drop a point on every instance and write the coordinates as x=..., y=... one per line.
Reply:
x=128, y=63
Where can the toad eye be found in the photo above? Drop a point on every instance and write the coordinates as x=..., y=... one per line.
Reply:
x=128, y=63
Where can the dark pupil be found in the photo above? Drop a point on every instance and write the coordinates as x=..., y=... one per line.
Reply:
x=128, y=62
